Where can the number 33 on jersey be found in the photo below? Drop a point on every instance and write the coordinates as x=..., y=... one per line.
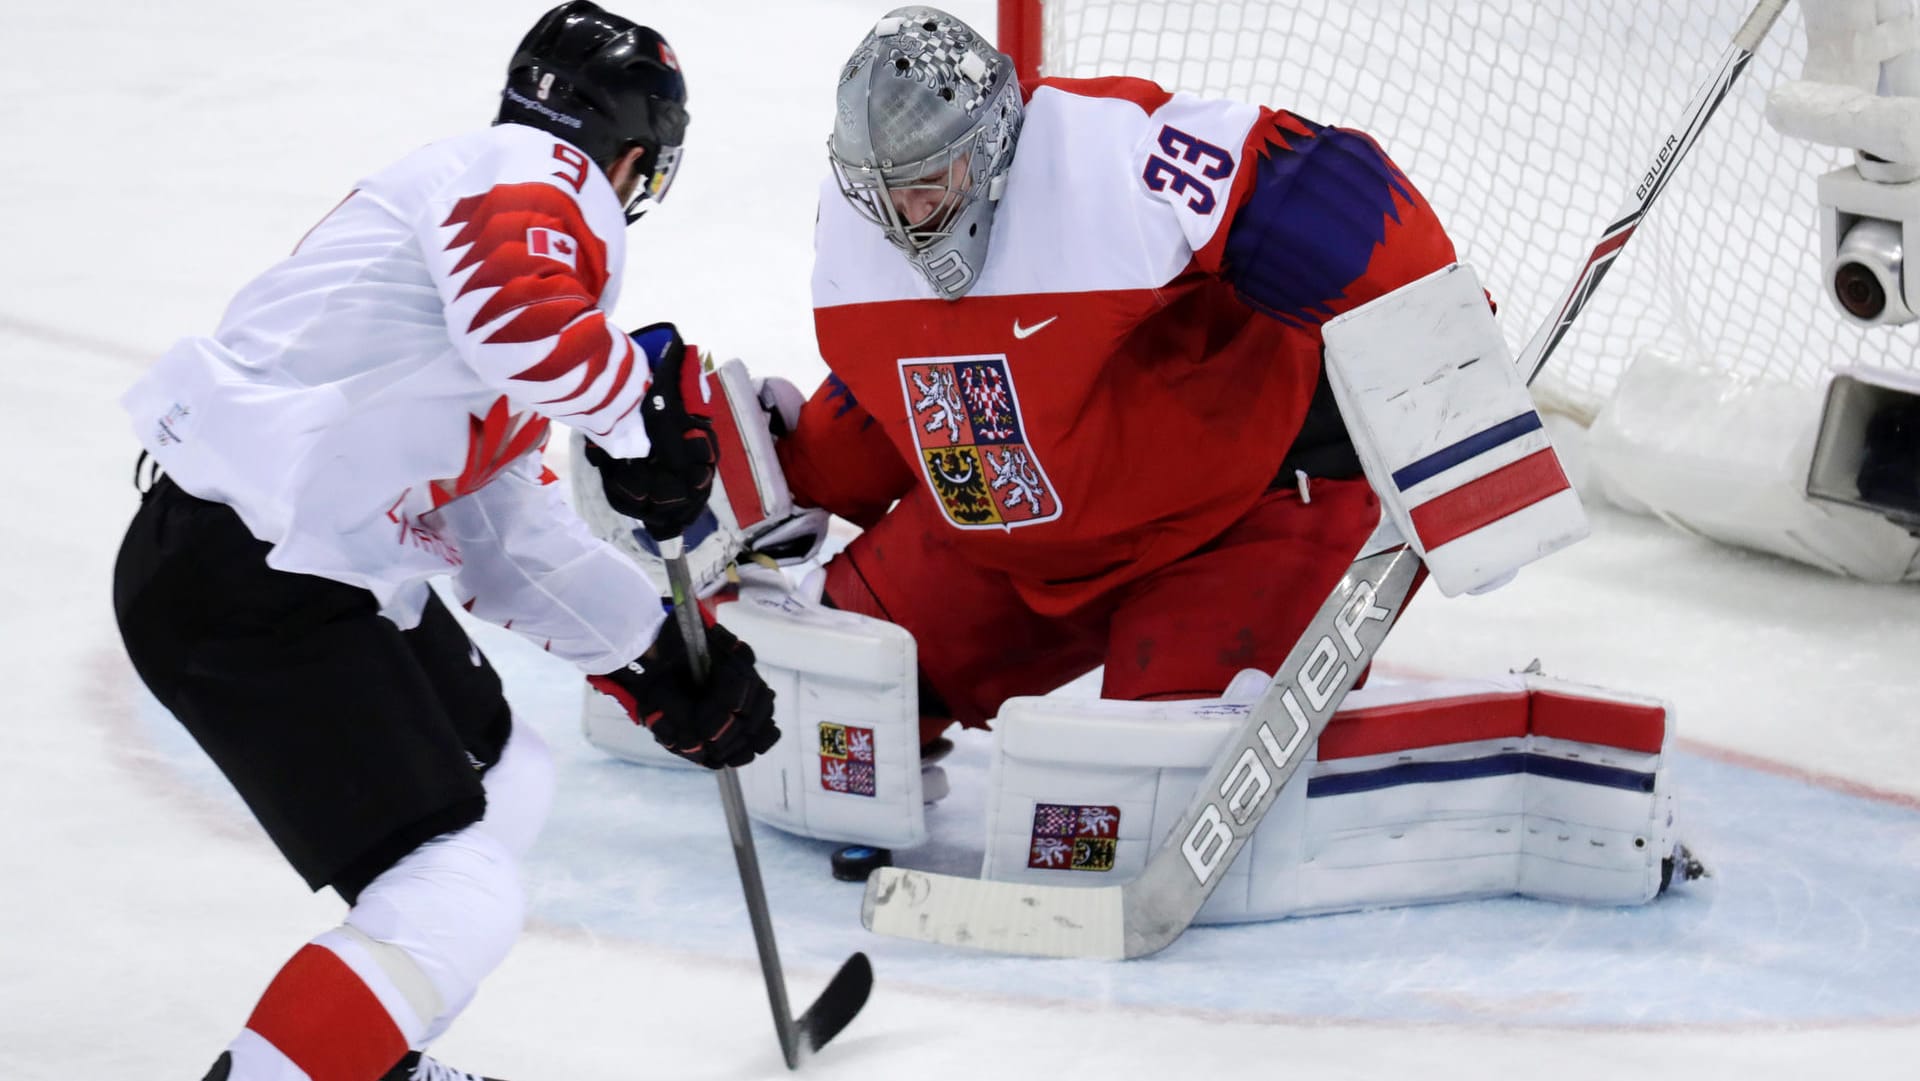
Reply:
x=1141, y=343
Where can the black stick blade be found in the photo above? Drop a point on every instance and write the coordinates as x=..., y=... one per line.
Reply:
x=837, y=1005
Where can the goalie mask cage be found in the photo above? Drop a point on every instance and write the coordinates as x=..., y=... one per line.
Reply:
x=1521, y=121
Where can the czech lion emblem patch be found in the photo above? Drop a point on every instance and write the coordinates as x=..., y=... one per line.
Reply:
x=1069, y=837
x=973, y=447
x=846, y=759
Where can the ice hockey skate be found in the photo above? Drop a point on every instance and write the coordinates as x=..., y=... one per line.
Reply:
x=414, y=1066
x=1681, y=867
x=934, y=785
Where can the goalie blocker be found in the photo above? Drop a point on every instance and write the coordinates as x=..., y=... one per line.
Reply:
x=1448, y=434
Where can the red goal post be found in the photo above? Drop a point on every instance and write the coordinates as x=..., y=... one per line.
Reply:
x=1019, y=34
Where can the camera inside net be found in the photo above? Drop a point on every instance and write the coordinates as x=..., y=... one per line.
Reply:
x=1866, y=228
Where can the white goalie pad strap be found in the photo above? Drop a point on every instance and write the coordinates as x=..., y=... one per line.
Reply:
x=1419, y=793
x=751, y=508
x=1447, y=432
x=846, y=697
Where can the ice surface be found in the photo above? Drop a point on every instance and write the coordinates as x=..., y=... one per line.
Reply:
x=160, y=155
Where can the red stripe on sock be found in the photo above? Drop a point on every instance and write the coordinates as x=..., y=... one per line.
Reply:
x=1356, y=733
x=320, y=1015
x=1626, y=725
x=1510, y=488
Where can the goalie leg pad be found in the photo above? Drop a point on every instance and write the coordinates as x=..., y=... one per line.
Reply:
x=846, y=696
x=1448, y=434
x=1418, y=793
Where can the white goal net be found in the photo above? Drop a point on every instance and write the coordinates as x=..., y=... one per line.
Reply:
x=1525, y=122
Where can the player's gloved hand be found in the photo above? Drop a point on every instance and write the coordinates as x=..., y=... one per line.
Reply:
x=668, y=489
x=725, y=721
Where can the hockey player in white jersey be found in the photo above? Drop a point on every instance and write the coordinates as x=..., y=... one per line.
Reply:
x=369, y=415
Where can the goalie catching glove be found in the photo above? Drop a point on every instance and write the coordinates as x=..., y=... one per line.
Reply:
x=668, y=489
x=725, y=721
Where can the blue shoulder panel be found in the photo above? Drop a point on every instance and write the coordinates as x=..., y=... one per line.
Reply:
x=1320, y=206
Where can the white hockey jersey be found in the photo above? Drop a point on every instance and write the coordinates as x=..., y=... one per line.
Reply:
x=375, y=405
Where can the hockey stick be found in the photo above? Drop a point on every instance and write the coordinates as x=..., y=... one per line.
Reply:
x=1142, y=916
x=848, y=990
x=1651, y=183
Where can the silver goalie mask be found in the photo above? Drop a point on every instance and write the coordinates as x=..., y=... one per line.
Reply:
x=923, y=135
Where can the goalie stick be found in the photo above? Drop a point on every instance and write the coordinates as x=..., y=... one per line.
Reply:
x=848, y=990
x=1650, y=184
x=1142, y=916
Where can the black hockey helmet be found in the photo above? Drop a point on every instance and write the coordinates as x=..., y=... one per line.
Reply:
x=605, y=84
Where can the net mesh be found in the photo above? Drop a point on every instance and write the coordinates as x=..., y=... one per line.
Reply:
x=1524, y=122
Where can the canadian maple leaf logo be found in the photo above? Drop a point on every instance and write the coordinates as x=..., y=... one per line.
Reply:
x=552, y=244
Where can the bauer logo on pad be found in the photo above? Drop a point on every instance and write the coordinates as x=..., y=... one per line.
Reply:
x=555, y=245
x=846, y=759
x=1069, y=837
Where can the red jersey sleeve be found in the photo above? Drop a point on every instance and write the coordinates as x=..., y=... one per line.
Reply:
x=839, y=459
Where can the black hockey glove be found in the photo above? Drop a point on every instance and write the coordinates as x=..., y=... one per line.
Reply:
x=668, y=489
x=723, y=722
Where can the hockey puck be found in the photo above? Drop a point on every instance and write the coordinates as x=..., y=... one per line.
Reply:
x=855, y=862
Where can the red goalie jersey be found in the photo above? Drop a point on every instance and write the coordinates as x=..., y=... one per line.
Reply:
x=1138, y=355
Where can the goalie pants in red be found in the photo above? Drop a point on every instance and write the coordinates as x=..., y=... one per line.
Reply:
x=1182, y=631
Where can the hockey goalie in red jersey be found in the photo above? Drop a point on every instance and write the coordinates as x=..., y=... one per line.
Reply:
x=1080, y=407
x=1076, y=396
x=369, y=415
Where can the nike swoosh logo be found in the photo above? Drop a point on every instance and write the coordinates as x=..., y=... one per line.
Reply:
x=1027, y=332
